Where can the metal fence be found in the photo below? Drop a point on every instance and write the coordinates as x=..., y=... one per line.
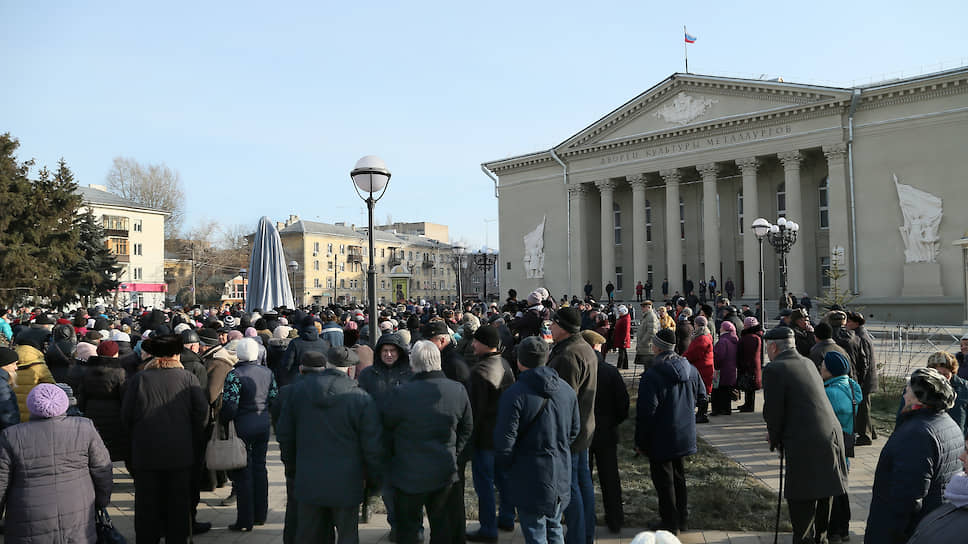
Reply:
x=899, y=348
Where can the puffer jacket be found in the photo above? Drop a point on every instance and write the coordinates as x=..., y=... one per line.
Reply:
x=99, y=398
x=379, y=379
x=54, y=473
x=665, y=422
x=247, y=397
x=844, y=395
x=912, y=471
x=31, y=370
x=332, y=333
x=9, y=410
x=532, y=447
x=490, y=378
x=700, y=354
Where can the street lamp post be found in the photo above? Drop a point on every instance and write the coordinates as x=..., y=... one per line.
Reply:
x=293, y=267
x=485, y=261
x=243, y=272
x=782, y=236
x=370, y=175
x=458, y=254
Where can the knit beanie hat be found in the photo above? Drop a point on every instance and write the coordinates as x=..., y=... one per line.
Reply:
x=247, y=350
x=107, y=348
x=46, y=400
x=665, y=340
x=701, y=322
x=727, y=327
x=84, y=351
x=235, y=335
x=750, y=322
x=534, y=298
x=8, y=356
x=488, y=336
x=533, y=352
x=250, y=332
x=836, y=363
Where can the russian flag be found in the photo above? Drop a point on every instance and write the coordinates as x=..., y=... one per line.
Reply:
x=690, y=38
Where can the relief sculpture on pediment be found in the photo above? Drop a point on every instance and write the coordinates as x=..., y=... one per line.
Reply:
x=684, y=109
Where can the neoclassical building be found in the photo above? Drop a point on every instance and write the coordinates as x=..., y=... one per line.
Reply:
x=668, y=184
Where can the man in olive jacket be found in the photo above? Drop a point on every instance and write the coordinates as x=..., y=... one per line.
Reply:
x=802, y=424
x=576, y=363
x=329, y=436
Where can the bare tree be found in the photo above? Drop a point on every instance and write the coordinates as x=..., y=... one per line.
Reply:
x=151, y=185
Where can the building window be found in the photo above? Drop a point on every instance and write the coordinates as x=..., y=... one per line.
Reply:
x=114, y=222
x=136, y=249
x=410, y=258
x=329, y=265
x=118, y=246
x=342, y=267
x=682, y=219
x=329, y=248
x=825, y=272
x=316, y=264
x=342, y=249
x=137, y=225
x=138, y=274
x=383, y=269
x=824, y=206
x=618, y=278
x=649, y=274
x=739, y=211
x=648, y=221
x=617, y=217
x=383, y=252
x=329, y=283
x=383, y=284
x=781, y=200
x=342, y=284
x=316, y=283
x=315, y=248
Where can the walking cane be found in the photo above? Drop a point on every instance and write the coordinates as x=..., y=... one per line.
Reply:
x=779, y=502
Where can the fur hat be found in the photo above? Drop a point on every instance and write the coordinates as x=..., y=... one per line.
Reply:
x=932, y=389
x=665, y=340
x=727, y=327
x=46, y=400
x=534, y=298
x=312, y=359
x=163, y=346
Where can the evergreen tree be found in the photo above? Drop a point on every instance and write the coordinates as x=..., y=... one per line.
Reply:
x=94, y=274
x=19, y=257
x=56, y=202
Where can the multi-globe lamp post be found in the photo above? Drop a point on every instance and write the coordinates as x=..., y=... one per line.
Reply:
x=370, y=177
x=485, y=261
x=782, y=236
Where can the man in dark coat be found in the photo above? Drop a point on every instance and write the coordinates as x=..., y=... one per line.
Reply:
x=845, y=338
x=576, y=363
x=866, y=377
x=802, y=424
x=427, y=422
x=665, y=427
x=490, y=377
x=537, y=421
x=308, y=340
x=802, y=331
x=164, y=411
x=451, y=361
x=329, y=496
x=825, y=343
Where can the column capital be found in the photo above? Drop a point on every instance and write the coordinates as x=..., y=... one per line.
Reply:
x=605, y=185
x=748, y=165
x=671, y=176
x=790, y=159
x=835, y=152
x=708, y=170
x=577, y=191
x=637, y=181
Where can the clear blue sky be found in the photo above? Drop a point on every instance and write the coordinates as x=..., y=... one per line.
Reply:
x=264, y=107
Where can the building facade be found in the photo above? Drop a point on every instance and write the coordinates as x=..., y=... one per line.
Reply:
x=666, y=187
x=332, y=263
x=136, y=236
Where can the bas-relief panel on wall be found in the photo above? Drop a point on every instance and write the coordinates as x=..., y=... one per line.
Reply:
x=922, y=217
x=684, y=109
x=534, y=251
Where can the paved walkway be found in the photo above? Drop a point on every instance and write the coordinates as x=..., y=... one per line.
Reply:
x=740, y=436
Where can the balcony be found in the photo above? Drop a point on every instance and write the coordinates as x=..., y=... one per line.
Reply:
x=116, y=232
x=123, y=258
x=394, y=261
x=427, y=263
x=354, y=257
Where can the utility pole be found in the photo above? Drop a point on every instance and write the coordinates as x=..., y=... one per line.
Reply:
x=193, y=272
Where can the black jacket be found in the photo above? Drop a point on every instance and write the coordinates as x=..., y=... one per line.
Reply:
x=379, y=379
x=427, y=423
x=611, y=405
x=164, y=411
x=308, y=340
x=193, y=363
x=912, y=471
x=576, y=363
x=490, y=377
x=9, y=410
x=326, y=417
x=99, y=398
x=453, y=364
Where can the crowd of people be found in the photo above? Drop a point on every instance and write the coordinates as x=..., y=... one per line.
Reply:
x=397, y=406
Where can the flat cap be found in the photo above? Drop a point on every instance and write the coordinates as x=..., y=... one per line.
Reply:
x=779, y=333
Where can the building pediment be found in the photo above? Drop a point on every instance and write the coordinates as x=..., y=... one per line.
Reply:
x=688, y=101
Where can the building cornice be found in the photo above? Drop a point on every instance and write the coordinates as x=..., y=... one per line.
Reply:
x=906, y=93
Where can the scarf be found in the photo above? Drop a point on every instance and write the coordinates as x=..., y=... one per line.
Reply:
x=957, y=491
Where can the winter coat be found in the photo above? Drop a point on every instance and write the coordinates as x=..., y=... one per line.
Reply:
x=9, y=410
x=804, y=340
x=332, y=334
x=749, y=358
x=247, y=395
x=53, y=473
x=164, y=411
x=648, y=326
x=684, y=335
x=846, y=339
x=99, y=396
x=352, y=424
x=959, y=412
x=275, y=352
x=576, y=363
x=915, y=465
x=665, y=422
x=822, y=348
x=866, y=365
x=844, y=394
x=725, y=356
x=611, y=405
x=307, y=341
x=60, y=352
x=379, y=379
x=946, y=523
x=529, y=324
x=490, y=377
x=193, y=363
x=532, y=447
x=666, y=322
x=801, y=421
x=31, y=370
x=218, y=363
x=453, y=365
x=621, y=334
x=427, y=423
x=700, y=355
x=365, y=354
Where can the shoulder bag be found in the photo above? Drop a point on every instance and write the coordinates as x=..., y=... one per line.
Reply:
x=225, y=454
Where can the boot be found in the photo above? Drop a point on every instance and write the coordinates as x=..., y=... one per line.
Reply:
x=701, y=416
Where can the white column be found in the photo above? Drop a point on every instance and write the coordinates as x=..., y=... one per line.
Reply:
x=794, y=204
x=606, y=188
x=579, y=252
x=673, y=236
x=710, y=221
x=837, y=199
x=751, y=210
x=640, y=263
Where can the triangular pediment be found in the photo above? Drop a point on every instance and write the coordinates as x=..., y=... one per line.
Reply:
x=685, y=100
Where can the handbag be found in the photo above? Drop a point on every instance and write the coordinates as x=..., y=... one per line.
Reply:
x=228, y=453
x=106, y=533
x=715, y=379
x=849, y=437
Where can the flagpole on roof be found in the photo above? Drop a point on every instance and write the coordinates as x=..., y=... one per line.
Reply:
x=685, y=48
